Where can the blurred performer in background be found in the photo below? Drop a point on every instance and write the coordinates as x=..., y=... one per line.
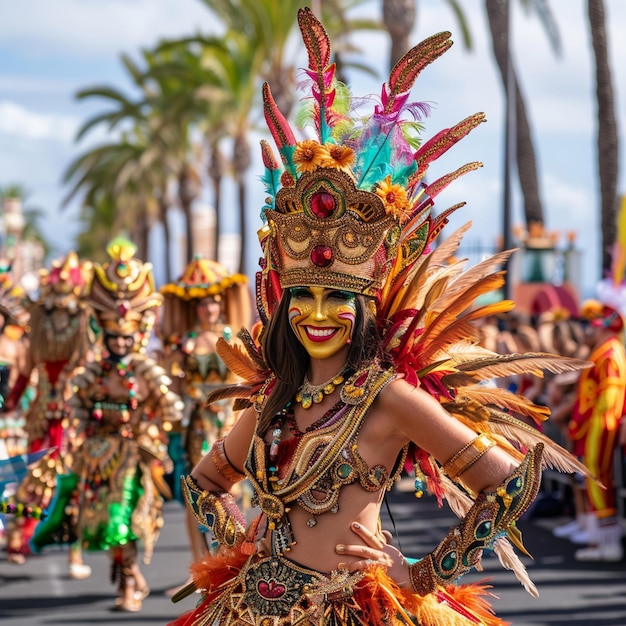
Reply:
x=205, y=304
x=594, y=430
x=13, y=324
x=57, y=345
x=125, y=409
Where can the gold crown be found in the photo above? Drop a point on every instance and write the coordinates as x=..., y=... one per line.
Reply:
x=328, y=232
x=350, y=210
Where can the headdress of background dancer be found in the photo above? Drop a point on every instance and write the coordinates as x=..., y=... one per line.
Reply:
x=204, y=278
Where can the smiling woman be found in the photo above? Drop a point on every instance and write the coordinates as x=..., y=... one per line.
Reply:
x=366, y=356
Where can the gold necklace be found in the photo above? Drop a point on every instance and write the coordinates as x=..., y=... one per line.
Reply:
x=308, y=394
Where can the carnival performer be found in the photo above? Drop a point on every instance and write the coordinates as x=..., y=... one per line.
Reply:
x=205, y=304
x=367, y=354
x=57, y=344
x=125, y=409
x=13, y=325
x=594, y=430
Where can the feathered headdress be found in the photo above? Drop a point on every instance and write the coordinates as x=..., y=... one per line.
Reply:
x=349, y=209
x=65, y=283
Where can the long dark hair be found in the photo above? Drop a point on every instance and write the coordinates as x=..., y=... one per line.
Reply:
x=289, y=361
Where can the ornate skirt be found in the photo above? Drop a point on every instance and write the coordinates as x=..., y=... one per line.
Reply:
x=114, y=499
x=274, y=591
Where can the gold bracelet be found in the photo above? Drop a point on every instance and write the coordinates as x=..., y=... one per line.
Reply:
x=223, y=465
x=467, y=456
x=218, y=511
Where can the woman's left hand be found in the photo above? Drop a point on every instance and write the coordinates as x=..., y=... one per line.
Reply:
x=377, y=551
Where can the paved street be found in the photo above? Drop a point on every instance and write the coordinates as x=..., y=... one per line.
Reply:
x=39, y=593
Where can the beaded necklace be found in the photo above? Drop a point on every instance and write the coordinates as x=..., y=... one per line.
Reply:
x=277, y=431
x=287, y=416
x=308, y=394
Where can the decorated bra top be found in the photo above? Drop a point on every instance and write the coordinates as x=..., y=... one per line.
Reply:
x=325, y=458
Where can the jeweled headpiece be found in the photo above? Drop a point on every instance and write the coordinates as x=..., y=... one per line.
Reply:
x=350, y=209
x=123, y=293
x=65, y=283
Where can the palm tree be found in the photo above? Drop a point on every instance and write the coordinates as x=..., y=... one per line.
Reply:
x=96, y=174
x=138, y=168
x=608, y=149
x=498, y=18
x=207, y=103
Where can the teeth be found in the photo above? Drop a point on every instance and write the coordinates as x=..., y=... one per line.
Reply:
x=321, y=332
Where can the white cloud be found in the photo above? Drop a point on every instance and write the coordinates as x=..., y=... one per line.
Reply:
x=16, y=120
x=97, y=28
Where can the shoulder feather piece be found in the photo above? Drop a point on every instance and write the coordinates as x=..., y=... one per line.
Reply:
x=246, y=363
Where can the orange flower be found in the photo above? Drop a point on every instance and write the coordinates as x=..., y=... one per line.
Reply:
x=309, y=155
x=394, y=199
x=341, y=157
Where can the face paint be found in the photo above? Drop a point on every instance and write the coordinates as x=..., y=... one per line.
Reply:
x=322, y=319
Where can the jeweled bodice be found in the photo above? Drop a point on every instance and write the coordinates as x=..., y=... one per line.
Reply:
x=324, y=459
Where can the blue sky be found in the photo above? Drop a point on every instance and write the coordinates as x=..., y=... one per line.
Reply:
x=50, y=50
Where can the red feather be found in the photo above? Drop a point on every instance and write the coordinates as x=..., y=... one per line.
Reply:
x=276, y=121
x=441, y=183
x=445, y=139
x=317, y=43
x=408, y=68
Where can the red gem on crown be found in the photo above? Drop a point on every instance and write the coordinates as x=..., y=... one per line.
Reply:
x=323, y=204
x=322, y=256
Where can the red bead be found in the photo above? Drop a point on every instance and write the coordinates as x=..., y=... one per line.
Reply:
x=323, y=204
x=322, y=256
x=123, y=308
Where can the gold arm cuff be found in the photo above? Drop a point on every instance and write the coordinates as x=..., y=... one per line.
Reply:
x=422, y=576
x=222, y=463
x=467, y=456
x=218, y=511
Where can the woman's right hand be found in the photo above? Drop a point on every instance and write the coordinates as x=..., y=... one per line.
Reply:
x=377, y=551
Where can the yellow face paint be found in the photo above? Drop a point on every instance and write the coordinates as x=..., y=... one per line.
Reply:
x=322, y=319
